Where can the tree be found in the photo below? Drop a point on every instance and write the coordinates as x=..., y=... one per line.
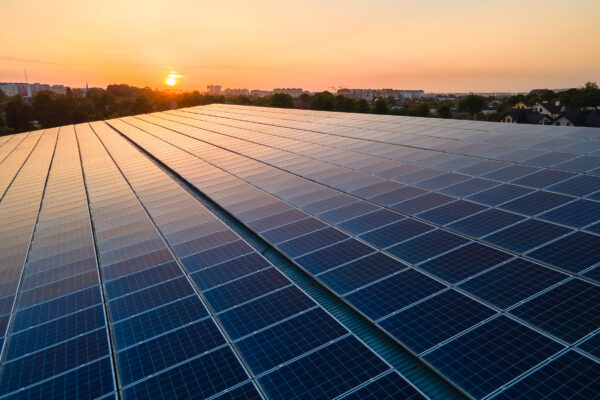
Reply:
x=324, y=101
x=18, y=114
x=281, y=100
x=362, y=106
x=381, y=107
x=444, y=111
x=471, y=104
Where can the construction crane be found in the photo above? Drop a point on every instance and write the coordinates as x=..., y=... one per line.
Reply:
x=26, y=80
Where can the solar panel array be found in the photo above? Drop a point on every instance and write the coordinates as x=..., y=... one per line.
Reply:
x=475, y=246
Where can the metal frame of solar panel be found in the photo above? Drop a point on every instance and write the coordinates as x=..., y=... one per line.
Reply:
x=472, y=245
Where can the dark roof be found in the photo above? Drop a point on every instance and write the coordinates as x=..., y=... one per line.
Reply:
x=525, y=116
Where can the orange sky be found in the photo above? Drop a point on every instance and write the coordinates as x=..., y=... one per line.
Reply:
x=435, y=45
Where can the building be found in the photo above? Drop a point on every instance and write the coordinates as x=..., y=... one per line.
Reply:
x=294, y=92
x=549, y=109
x=260, y=93
x=370, y=94
x=236, y=92
x=525, y=116
x=214, y=90
x=524, y=105
x=28, y=90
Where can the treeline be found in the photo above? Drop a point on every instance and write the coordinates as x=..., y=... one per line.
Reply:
x=47, y=109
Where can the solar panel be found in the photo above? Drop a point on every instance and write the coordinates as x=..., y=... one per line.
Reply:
x=470, y=245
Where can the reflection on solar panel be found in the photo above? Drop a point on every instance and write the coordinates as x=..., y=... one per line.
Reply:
x=228, y=252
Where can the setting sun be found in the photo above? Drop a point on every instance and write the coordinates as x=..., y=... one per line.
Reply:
x=170, y=81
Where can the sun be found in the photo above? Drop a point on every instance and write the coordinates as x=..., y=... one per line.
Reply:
x=170, y=81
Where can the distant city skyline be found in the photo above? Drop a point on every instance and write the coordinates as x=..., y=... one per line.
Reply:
x=436, y=46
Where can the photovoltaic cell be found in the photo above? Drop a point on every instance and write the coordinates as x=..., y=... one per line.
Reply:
x=328, y=372
x=570, y=376
x=569, y=311
x=491, y=355
x=436, y=319
x=389, y=387
x=512, y=282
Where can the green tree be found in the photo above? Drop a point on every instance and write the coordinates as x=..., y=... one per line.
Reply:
x=19, y=114
x=362, y=106
x=381, y=107
x=444, y=111
x=471, y=104
x=281, y=100
x=324, y=101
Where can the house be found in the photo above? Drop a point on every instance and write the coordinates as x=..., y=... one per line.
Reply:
x=488, y=110
x=524, y=116
x=524, y=105
x=552, y=110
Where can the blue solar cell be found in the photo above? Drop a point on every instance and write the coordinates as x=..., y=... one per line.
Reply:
x=491, y=355
x=549, y=159
x=465, y=262
x=393, y=293
x=216, y=255
x=326, y=373
x=594, y=273
x=500, y=194
x=469, y=187
x=276, y=220
x=87, y=382
x=361, y=272
x=580, y=185
x=441, y=181
x=485, y=222
x=510, y=172
x=348, y=212
x=147, y=299
x=202, y=377
x=389, y=387
x=592, y=345
x=427, y=246
x=512, y=282
x=58, y=330
x=544, y=178
x=527, y=235
x=241, y=290
x=142, y=279
x=246, y=391
x=229, y=270
x=135, y=264
x=205, y=242
x=56, y=308
x=370, y=221
x=44, y=364
x=536, y=202
x=569, y=311
x=483, y=167
x=451, y=212
x=422, y=203
x=581, y=164
x=289, y=339
x=329, y=203
x=574, y=253
x=332, y=256
x=157, y=321
x=174, y=347
x=396, y=232
x=289, y=231
x=58, y=289
x=576, y=214
x=398, y=195
x=264, y=311
x=435, y=320
x=312, y=241
x=570, y=377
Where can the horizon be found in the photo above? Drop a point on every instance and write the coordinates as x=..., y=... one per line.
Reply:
x=436, y=47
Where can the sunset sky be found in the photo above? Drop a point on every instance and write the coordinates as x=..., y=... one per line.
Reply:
x=435, y=45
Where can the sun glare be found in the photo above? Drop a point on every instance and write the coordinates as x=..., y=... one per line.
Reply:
x=170, y=81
